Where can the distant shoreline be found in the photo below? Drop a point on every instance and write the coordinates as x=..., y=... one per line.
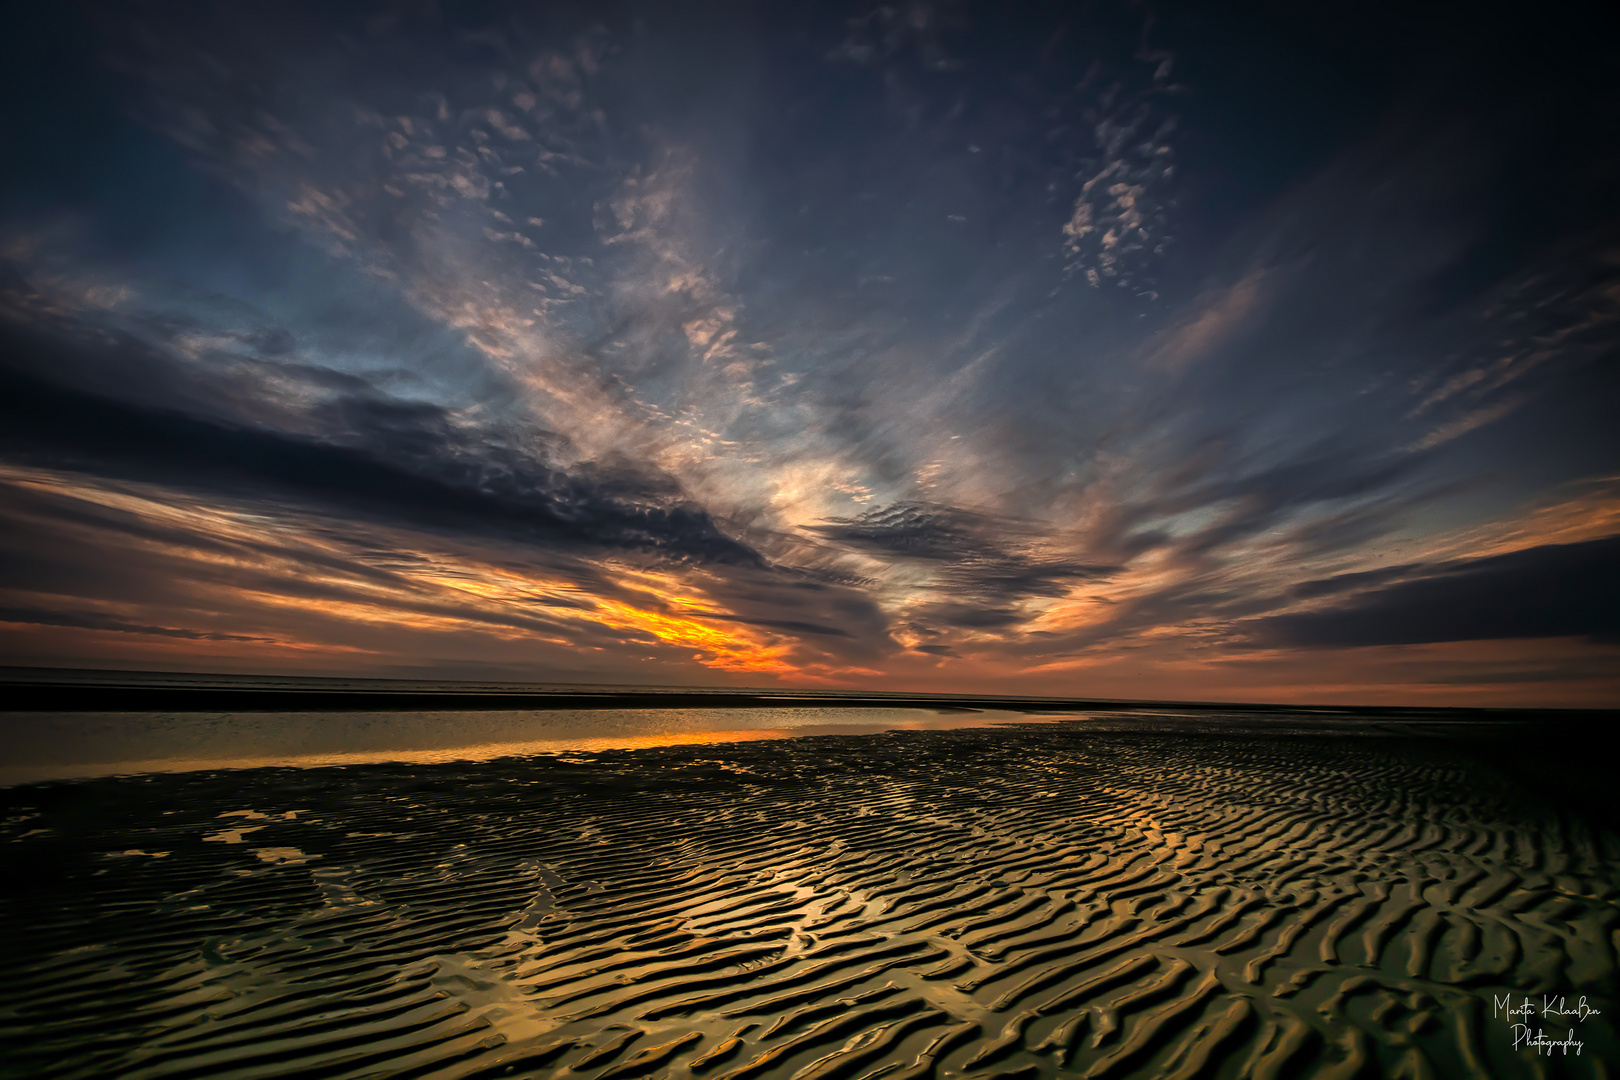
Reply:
x=42, y=690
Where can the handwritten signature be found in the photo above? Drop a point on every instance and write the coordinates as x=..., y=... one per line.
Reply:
x=1543, y=1044
x=1551, y=1006
x=1502, y=1005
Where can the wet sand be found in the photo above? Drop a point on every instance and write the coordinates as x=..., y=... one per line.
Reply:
x=1203, y=895
x=61, y=745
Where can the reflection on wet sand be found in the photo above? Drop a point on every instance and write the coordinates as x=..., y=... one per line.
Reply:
x=80, y=745
x=1077, y=898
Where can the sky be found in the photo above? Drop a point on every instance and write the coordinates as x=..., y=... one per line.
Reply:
x=1255, y=352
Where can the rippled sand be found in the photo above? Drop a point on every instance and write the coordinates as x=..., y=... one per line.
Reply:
x=1069, y=899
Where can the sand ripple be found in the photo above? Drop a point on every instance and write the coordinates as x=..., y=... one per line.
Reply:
x=1035, y=902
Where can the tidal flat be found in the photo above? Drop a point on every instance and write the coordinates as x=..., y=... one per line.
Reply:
x=1122, y=895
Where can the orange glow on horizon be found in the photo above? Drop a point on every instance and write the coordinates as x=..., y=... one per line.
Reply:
x=424, y=600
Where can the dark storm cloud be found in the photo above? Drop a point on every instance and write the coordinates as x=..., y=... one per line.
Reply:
x=841, y=618
x=60, y=546
x=913, y=532
x=402, y=461
x=969, y=617
x=1342, y=583
x=1556, y=590
x=982, y=567
x=1243, y=506
x=1508, y=674
x=66, y=552
x=974, y=552
x=84, y=620
x=792, y=626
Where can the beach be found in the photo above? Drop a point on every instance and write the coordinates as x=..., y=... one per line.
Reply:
x=838, y=541
x=1115, y=895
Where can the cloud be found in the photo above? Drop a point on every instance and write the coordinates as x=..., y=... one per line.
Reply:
x=89, y=620
x=1351, y=582
x=643, y=331
x=1213, y=323
x=976, y=553
x=952, y=570
x=1556, y=590
x=1462, y=425
x=890, y=32
x=399, y=461
x=1118, y=226
x=792, y=626
x=295, y=577
x=911, y=531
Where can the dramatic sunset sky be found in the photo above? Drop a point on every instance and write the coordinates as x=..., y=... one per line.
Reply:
x=1255, y=352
